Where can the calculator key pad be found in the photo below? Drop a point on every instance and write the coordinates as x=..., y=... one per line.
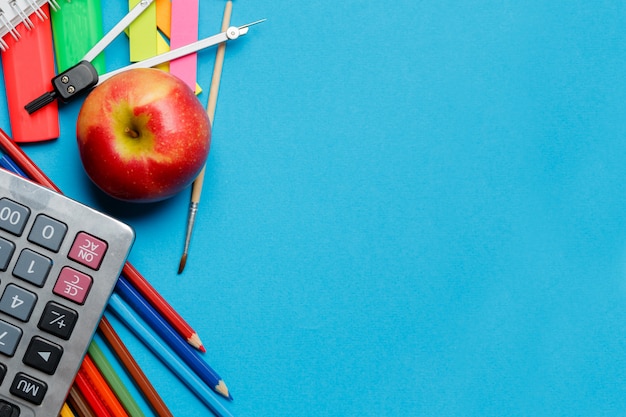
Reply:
x=32, y=267
x=57, y=271
x=47, y=232
x=73, y=285
x=58, y=320
x=13, y=216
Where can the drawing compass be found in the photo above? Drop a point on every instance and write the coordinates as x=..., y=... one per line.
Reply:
x=83, y=76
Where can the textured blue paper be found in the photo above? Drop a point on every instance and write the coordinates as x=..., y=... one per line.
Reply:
x=410, y=208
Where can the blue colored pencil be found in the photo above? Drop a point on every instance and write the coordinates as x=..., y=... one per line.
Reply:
x=171, y=337
x=8, y=164
x=118, y=307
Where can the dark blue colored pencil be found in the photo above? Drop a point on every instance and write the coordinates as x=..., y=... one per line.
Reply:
x=8, y=164
x=173, y=339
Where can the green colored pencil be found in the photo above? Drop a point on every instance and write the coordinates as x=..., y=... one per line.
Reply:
x=114, y=381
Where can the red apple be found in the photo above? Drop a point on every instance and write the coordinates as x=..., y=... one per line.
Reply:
x=143, y=135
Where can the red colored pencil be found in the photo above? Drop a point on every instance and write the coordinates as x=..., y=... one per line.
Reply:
x=102, y=388
x=136, y=279
x=90, y=394
x=166, y=310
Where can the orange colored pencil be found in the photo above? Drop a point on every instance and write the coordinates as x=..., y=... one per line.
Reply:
x=90, y=395
x=136, y=279
x=132, y=367
x=101, y=387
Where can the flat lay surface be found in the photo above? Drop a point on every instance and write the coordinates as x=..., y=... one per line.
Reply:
x=409, y=208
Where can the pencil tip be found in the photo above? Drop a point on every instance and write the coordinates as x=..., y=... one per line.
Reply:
x=183, y=261
x=194, y=340
x=222, y=389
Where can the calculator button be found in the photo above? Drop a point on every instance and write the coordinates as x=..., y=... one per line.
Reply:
x=13, y=216
x=88, y=250
x=9, y=338
x=58, y=320
x=47, y=232
x=9, y=410
x=43, y=355
x=32, y=267
x=28, y=388
x=17, y=302
x=73, y=285
x=6, y=252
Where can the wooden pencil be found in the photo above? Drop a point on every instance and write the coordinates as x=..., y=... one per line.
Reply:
x=114, y=381
x=101, y=387
x=90, y=395
x=118, y=307
x=32, y=171
x=132, y=367
x=196, y=188
x=192, y=358
x=79, y=403
x=162, y=306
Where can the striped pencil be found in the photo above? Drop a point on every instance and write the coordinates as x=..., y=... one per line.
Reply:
x=118, y=307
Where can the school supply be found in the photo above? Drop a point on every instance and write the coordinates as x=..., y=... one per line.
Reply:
x=28, y=64
x=83, y=77
x=133, y=369
x=172, y=339
x=27, y=168
x=142, y=32
x=63, y=260
x=196, y=189
x=123, y=312
x=184, y=30
x=76, y=28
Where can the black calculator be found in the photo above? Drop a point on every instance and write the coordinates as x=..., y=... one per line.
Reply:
x=59, y=262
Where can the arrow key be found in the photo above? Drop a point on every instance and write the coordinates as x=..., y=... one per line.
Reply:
x=43, y=355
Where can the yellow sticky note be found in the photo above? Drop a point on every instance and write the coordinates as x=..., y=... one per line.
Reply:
x=142, y=33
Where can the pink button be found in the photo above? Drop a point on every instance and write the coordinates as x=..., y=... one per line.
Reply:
x=73, y=285
x=88, y=250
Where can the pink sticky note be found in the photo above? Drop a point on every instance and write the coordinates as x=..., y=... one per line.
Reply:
x=184, y=31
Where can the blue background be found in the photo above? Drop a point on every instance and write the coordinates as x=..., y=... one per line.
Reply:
x=410, y=208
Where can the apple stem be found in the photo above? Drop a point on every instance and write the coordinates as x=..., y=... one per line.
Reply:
x=131, y=132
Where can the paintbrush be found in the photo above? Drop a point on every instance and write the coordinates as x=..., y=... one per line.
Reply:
x=196, y=188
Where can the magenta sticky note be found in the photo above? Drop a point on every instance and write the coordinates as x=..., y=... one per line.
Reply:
x=184, y=31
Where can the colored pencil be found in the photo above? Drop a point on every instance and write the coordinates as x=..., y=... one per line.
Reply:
x=101, y=387
x=66, y=411
x=91, y=395
x=132, y=367
x=122, y=394
x=79, y=403
x=196, y=188
x=118, y=307
x=173, y=339
x=16, y=155
x=162, y=306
